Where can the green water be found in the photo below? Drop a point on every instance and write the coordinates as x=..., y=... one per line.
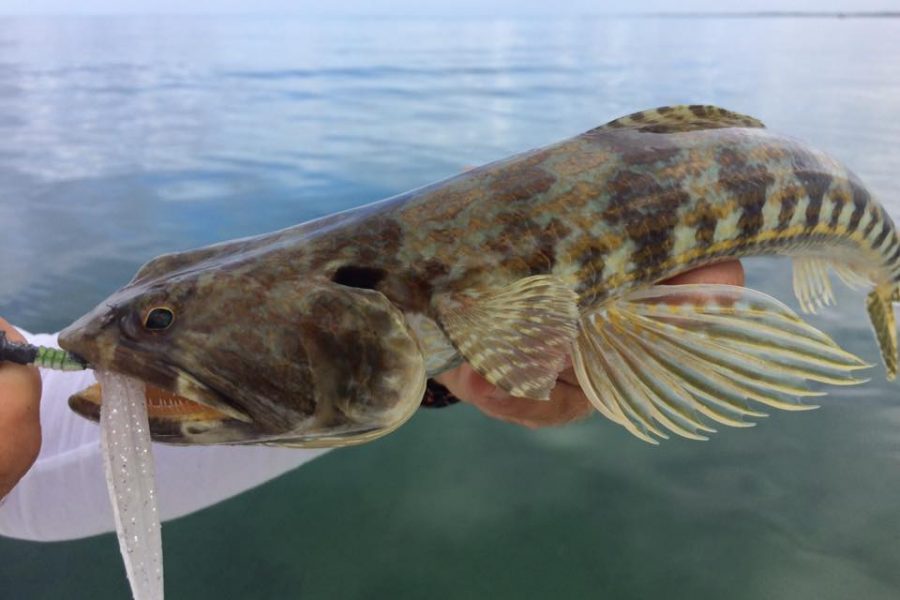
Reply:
x=121, y=139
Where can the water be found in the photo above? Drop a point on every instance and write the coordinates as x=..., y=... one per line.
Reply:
x=124, y=138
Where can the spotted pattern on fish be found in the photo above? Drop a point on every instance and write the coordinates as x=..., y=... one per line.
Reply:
x=672, y=119
x=645, y=197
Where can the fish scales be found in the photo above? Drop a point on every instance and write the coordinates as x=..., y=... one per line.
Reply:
x=520, y=267
x=645, y=214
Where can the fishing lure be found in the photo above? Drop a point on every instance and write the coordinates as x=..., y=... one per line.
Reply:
x=39, y=356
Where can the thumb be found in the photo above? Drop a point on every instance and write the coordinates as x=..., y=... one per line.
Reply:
x=20, y=425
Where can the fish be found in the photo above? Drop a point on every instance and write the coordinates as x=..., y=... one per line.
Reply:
x=325, y=333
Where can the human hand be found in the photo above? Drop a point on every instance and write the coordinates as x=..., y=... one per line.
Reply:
x=567, y=401
x=20, y=425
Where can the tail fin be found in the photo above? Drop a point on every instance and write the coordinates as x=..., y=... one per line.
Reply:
x=879, y=303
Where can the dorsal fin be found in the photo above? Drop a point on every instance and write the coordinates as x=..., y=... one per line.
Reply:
x=683, y=117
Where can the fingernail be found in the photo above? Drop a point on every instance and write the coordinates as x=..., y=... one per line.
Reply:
x=498, y=395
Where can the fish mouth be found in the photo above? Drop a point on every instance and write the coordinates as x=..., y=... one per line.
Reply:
x=174, y=418
x=182, y=408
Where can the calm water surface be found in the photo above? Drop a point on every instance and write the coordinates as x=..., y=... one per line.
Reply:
x=121, y=139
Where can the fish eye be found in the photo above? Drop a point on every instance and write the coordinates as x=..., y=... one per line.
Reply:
x=159, y=318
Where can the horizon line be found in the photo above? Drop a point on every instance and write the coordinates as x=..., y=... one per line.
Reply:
x=702, y=14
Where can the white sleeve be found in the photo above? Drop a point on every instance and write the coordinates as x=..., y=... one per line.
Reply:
x=64, y=495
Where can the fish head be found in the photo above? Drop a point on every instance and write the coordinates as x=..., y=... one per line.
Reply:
x=230, y=354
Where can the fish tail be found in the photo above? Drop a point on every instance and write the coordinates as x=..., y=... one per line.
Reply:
x=879, y=304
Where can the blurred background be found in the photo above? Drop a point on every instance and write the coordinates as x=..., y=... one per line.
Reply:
x=131, y=130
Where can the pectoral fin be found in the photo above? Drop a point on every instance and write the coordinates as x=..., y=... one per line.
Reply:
x=679, y=357
x=517, y=337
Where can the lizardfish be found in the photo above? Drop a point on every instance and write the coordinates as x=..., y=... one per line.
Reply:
x=325, y=333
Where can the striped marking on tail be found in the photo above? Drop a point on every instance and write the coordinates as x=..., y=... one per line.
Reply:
x=879, y=304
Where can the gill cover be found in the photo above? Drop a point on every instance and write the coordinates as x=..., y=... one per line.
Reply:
x=367, y=370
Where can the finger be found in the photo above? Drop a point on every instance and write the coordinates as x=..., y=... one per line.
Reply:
x=20, y=429
x=11, y=332
x=730, y=272
x=467, y=385
x=567, y=402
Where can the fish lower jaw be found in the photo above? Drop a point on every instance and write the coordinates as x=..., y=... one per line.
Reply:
x=162, y=405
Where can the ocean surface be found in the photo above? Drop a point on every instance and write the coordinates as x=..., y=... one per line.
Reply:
x=123, y=138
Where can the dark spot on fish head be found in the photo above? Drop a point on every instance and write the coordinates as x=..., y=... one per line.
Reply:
x=358, y=277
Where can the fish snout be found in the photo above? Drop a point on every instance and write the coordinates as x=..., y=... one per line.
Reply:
x=85, y=337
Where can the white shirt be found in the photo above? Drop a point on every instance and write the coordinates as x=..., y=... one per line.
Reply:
x=64, y=495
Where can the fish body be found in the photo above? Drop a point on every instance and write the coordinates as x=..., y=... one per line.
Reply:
x=324, y=333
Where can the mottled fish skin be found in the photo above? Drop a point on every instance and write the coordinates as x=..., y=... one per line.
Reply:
x=617, y=208
x=613, y=209
x=608, y=210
